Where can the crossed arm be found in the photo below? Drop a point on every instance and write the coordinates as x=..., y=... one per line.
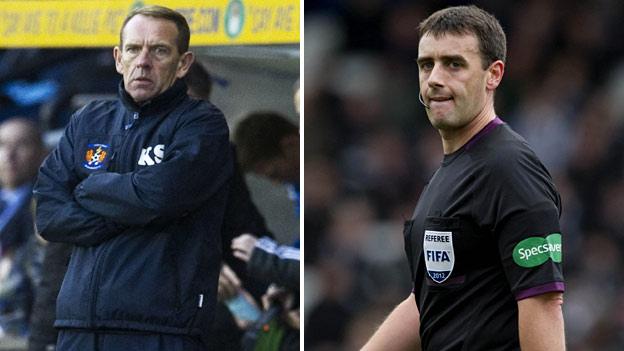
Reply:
x=59, y=218
x=89, y=211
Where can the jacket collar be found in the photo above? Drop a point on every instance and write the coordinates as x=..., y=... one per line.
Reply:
x=163, y=102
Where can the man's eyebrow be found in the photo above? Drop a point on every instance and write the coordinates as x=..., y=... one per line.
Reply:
x=151, y=45
x=454, y=58
x=131, y=45
x=160, y=43
x=423, y=59
x=445, y=58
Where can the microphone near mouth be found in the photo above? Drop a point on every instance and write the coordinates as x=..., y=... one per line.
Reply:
x=422, y=102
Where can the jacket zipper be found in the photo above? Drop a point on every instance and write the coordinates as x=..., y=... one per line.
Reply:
x=112, y=164
x=97, y=271
x=125, y=137
x=135, y=117
x=95, y=283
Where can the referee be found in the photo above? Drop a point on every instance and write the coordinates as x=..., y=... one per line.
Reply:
x=484, y=243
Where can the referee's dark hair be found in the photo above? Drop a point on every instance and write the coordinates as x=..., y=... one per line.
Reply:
x=469, y=20
x=259, y=136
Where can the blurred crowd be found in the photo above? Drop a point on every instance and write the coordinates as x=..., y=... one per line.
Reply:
x=48, y=84
x=39, y=89
x=369, y=150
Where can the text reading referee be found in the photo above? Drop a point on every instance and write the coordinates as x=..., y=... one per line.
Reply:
x=484, y=242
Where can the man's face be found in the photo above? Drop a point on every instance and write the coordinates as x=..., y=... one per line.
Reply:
x=20, y=154
x=452, y=79
x=283, y=168
x=277, y=169
x=149, y=59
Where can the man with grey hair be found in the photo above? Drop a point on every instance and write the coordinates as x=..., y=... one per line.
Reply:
x=138, y=186
x=484, y=242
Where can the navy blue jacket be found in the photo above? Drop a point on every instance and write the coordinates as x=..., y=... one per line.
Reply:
x=141, y=193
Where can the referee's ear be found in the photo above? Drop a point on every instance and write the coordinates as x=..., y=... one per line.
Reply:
x=495, y=74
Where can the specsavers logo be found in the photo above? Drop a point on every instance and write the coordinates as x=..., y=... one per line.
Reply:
x=534, y=251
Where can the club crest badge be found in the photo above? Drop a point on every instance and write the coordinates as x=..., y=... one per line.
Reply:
x=439, y=254
x=95, y=156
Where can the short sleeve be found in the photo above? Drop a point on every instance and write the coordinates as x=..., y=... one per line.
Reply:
x=522, y=208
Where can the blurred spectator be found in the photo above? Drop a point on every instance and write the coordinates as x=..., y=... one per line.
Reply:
x=241, y=216
x=268, y=145
x=38, y=83
x=42, y=83
x=198, y=81
x=367, y=141
x=43, y=335
x=21, y=152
